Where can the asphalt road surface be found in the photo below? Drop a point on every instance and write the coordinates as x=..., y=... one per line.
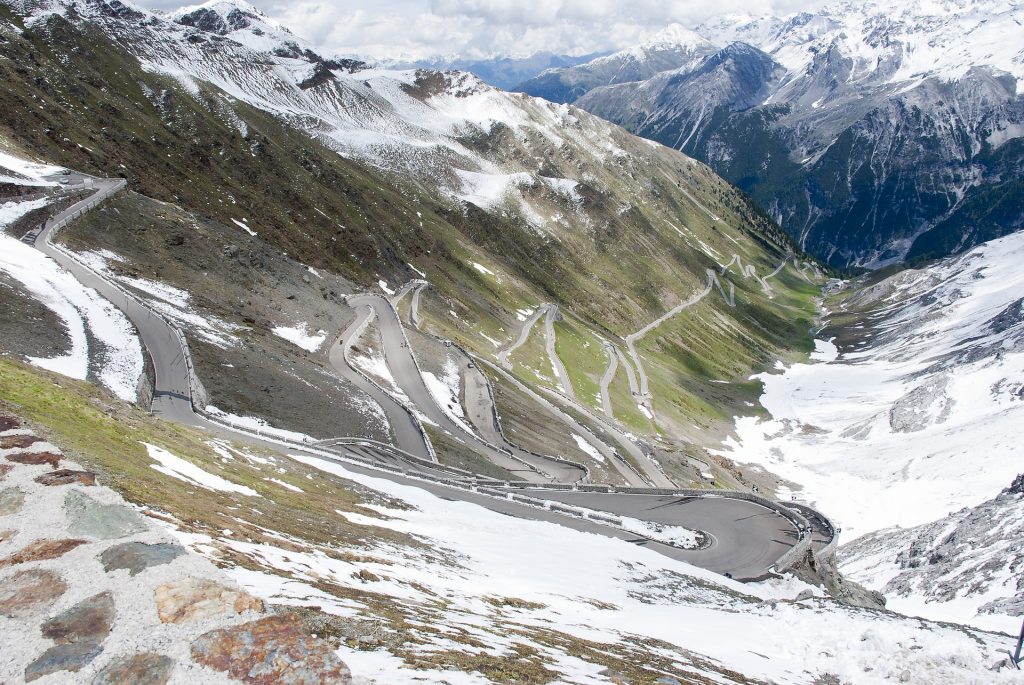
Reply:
x=549, y=343
x=402, y=364
x=747, y=538
x=403, y=426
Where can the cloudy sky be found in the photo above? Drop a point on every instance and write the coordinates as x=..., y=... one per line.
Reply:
x=415, y=29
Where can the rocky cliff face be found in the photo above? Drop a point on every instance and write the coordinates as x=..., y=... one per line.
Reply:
x=872, y=135
x=967, y=563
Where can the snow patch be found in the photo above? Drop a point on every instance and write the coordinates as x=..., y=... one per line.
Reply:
x=176, y=467
x=301, y=337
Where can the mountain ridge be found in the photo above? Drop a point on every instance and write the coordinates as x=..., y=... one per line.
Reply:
x=884, y=136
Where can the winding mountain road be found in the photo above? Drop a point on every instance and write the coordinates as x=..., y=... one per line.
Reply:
x=748, y=539
x=561, y=374
x=404, y=426
x=403, y=366
x=524, y=333
x=607, y=378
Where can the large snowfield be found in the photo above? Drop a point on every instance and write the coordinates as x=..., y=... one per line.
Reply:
x=606, y=591
x=922, y=419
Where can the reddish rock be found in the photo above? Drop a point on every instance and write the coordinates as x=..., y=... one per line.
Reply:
x=11, y=501
x=139, y=669
x=10, y=442
x=88, y=621
x=67, y=477
x=8, y=422
x=194, y=599
x=4, y=470
x=36, y=458
x=275, y=650
x=28, y=591
x=40, y=550
x=6, y=535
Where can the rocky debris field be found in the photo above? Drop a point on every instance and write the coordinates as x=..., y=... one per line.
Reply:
x=92, y=591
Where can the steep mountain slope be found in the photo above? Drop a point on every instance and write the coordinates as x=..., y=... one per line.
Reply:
x=501, y=201
x=911, y=413
x=872, y=135
x=965, y=567
x=409, y=586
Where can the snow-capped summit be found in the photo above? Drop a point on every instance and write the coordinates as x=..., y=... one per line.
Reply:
x=239, y=21
x=675, y=36
x=905, y=42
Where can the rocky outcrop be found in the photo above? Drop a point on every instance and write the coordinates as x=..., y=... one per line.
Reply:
x=972, y=555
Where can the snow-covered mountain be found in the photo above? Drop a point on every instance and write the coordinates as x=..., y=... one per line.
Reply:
x=914, y=413
x=670, y=48
x=872, y=133
x=502, y=72
x=429, y=125
x=965, y=567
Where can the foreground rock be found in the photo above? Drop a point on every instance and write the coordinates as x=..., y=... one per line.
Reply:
x=271, y=651
x=91, y=591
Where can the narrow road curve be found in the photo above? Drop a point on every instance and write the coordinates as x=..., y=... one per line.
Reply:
x=549, y=342
x=414, y=307
x=743, y=551
x=633, y=337
x=738, y=533
x=403, y=366
x=172, y=397
x=414, y=286
x=634, y=386
x=524, y=333
x=630, y=476
x=404, y=427
x=606, y=379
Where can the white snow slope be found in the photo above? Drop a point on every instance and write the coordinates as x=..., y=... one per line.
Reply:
x=921, y=418
x=615, y=595
x=117, y=358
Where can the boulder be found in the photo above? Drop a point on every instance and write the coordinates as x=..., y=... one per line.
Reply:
x=276, y=650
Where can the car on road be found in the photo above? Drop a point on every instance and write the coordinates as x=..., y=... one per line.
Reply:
x=64, y=181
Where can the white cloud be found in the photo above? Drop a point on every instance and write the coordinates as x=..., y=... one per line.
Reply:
x=414, y=29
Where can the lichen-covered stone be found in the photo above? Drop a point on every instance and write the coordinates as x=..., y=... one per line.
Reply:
x=66, y=657
x=137, y=669
x=29, y=591
x=10, y=442
x=35, y=458
x=103, y=521
x=88, y=621
x=194, y=599
x=41, y=550
x=67, y=477
x=138, y=556
x=11, y=501
x=275, y=650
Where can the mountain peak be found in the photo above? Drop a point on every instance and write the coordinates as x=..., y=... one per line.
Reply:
x=675, y=35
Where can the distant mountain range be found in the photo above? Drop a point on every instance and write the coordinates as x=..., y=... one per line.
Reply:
x=872, y=134
x=505, y=72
